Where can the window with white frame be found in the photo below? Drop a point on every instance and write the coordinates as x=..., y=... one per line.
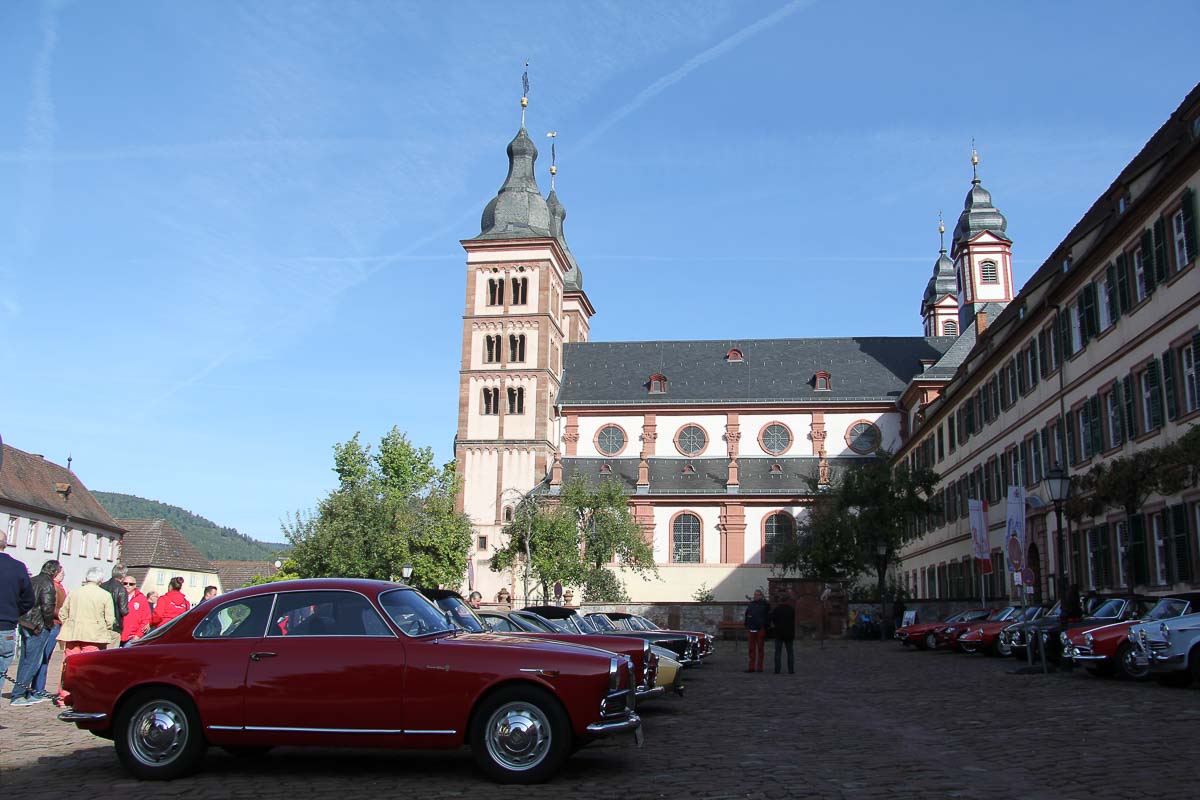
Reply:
x=1112, y=409
x=192, y=580
x=1122, y=544
x=161, y=578
x=1081, y=433
x=48, y=545
x=1191, y=386
x=1076, y=318
x=67, y=536
x=1093, y=538
x=12, y=531
x=1180, y=236
x=1139, y=274
x=1148, y=391
x=1105, y=290
x=1160, y=549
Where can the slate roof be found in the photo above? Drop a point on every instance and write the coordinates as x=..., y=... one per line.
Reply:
x=573, y=280
x=518, y=211
x=978, y=215
x=865, y=368
x=156, y=544
x=30, y=481
x=236, y=574
x=668, y=478
x=941, y=283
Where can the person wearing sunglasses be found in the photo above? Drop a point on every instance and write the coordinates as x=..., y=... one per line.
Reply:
x=137, y=621
x=116, y=587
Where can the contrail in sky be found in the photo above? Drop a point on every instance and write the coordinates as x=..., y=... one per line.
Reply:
x=40, y=126
x=692, y=64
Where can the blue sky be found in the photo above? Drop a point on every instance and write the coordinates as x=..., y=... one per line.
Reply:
x=229, y=230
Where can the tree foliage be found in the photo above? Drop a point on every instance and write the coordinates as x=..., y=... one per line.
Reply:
x=390, y=508
x=574, y=538
x=1127, y=481
x=872, y=505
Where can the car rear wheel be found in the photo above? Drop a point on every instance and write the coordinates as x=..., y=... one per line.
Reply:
x=1127, y=667
x=520, y=735
x=930, y=641
x=158, y=734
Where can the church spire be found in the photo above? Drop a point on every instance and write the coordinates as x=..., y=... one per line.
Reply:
x=518, y=211
x=573, y=280
x=978, y=214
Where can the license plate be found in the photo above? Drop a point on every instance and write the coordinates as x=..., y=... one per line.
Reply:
x=638, y=737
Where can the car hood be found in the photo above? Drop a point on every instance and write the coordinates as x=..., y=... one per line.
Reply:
x=518, y=642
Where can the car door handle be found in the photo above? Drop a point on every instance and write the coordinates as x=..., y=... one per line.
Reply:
x=261, y=655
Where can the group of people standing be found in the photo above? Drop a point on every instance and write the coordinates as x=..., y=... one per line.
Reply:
x=780, y=621
x=40, y=612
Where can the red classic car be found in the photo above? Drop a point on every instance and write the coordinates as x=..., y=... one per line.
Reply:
x=1106, y=649
x=345, y=662
x=701, y=643
x=985, y=635
x=924, y=634
x=947, y=635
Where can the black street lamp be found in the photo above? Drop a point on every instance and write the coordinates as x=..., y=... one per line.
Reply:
x=1058, y=486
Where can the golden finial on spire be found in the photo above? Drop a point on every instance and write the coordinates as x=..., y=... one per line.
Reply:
x=524, y=92
x=552, y=135
x=974, y=161
x=942, y=232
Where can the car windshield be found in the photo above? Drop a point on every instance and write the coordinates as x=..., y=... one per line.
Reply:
x=601, y=622
x=159, y=631
x=1002, y=613
x=412, y=613
x=1168, y=607
x=583, y=624
x=463, y=615
x=1110, y=608
x=972, y=616
x=645, y=624
x=546, y=625
x=1031, y=613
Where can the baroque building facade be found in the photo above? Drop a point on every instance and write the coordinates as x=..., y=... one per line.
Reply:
x=722, y=446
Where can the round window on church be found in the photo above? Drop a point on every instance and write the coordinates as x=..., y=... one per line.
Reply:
x=775, y=438
x=691, y=440
x=610, y=440
x=863, y=437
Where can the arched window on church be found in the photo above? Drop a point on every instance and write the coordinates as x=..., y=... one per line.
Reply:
x=950, y=328
x=516, y=401
x=516, y=347
x=491, y=354
x=685, y=539
x=491, y=401
x=778, y=530
x=520, y=291
x=988, y=272
x=495, y=292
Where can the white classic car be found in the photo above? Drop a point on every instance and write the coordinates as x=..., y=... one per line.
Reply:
x=1170, y=647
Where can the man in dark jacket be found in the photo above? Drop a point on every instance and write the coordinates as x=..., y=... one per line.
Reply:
x=116, y=587
x=16, y=597
x=39, y=631
x=757, y=616
x=783, y=628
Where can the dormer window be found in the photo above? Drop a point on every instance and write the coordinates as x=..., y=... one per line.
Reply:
x=734, y=356
x=822, y=381
x=1066, y=264
x=688, y=469
x=606, y=469
x=1121, y=204
x=776, y=469
x=658, y=383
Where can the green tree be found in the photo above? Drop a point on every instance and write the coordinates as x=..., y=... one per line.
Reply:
x=542, y=544
x=390, y=508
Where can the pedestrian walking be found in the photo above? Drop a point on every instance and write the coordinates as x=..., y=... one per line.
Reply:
x=757, y=616
x=171, y=604
x=115, y=586
x=16, y=597
x=87, y=621
x=137, y=622
x=39, y=632
x=783, y=628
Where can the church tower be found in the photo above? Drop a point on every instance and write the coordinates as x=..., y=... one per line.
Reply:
x=524, y=299
x=982, y=254
x=939, y=306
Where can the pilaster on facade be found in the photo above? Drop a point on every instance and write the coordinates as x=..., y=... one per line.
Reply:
x=733, y=526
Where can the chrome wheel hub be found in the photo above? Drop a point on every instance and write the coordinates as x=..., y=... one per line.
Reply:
x=158, y=733
x=518, y=735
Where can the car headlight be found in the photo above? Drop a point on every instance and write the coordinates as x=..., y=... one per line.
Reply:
x=1165, y=631
x=1141, y=634
x=1087, y=638
x=1063, y=638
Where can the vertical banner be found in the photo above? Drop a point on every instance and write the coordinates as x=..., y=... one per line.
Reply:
x=1014, y=536
x=977, y=510
x=470, y=573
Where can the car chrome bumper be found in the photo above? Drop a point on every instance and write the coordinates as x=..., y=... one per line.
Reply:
x=645, y=693
x=1164, y=663
x=80, y=716
x=609, y=728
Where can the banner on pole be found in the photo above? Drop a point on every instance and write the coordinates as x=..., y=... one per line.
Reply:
x=1014, y=537
x=979, y=534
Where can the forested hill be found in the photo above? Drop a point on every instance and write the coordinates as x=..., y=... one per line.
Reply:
x=215, y=542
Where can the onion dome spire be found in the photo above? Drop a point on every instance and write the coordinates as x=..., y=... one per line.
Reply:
x=573, y=280
x=943, y=281
x=518, y=211
x=978, y=214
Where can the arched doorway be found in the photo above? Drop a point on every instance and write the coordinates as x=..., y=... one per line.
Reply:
x=1033, y=558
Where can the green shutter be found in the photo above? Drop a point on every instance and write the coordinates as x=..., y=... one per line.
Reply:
x=1160, y=250
x=1189, y=224
x=1127, y=394
x=1022, y=368
x=1091, y=314
x=1148, y=260
x=1156, y=410
x=1122, y=284
x=1043, y=353
x=1064, y=333
x=1137, y=549
x=1118, y=423
x=1034, y=364
x=1110, y=297
x=1168, y=368
x=1069, y=433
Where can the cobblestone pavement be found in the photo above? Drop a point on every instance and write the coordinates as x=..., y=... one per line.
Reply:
x=858, y=719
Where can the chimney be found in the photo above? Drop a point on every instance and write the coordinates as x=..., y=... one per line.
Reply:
x=981, y=322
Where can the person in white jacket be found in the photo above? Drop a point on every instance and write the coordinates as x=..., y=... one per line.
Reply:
x=87, y=620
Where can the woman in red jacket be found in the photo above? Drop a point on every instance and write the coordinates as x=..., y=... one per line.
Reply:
x=171, y=604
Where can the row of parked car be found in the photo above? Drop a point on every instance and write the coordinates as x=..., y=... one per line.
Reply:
x=358, y=663
x=1132, y=636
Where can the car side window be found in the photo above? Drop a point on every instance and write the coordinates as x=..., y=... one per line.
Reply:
x=499, y=624
x=325, y=613
x=238, y=619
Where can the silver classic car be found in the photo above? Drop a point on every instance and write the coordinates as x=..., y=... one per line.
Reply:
x=1170, y=647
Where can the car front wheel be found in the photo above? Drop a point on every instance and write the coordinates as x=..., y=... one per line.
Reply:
x=521, y=735
x=158, y=734
x=1128, y=667
x=930, y=641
